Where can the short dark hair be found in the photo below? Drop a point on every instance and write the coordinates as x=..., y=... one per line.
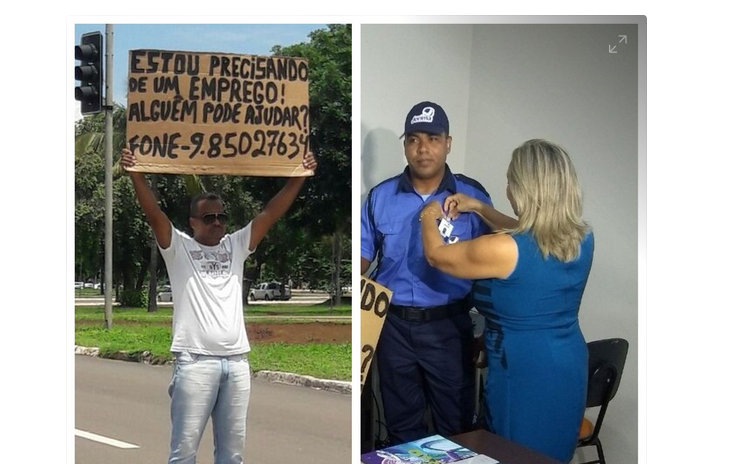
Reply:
x=200, y=197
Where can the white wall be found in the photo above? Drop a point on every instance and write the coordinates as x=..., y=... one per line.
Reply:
x=401, y=66
x=503, y=84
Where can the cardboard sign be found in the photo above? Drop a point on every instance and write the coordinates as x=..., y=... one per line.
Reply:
x=374, y=301
x=217, y=113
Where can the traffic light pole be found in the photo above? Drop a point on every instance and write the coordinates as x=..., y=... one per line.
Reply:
x=108, y=134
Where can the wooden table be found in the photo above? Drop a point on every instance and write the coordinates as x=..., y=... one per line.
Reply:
x=505, y=451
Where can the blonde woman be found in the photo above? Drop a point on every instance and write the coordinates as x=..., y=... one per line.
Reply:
x=528, y=282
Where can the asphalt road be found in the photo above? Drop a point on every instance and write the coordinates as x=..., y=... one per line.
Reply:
x=128, y=402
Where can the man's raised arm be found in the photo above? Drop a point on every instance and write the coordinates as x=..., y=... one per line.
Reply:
x=157, y=219
x=279, y=205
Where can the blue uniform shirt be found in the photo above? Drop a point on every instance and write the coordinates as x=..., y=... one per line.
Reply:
x=389, y=222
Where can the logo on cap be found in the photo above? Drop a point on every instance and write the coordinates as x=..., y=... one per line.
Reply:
x=427, y=115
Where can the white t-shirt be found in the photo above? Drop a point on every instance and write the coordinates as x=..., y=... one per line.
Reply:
x=207, y=283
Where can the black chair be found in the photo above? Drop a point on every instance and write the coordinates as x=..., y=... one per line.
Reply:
x=606, y=363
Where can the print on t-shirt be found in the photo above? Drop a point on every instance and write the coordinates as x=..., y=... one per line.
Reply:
x=212, y=263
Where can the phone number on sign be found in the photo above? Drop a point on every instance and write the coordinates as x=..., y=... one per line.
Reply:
x=227, y=145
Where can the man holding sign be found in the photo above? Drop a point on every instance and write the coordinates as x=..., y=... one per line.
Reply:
x=425, y=349
x=211, y=375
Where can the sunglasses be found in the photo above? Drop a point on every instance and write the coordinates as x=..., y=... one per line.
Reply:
x=210, y=218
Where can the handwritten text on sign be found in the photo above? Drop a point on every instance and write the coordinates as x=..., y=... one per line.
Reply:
x=209, y=113
x=374, y=301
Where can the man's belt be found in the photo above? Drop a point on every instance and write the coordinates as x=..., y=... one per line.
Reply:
x=426, y=314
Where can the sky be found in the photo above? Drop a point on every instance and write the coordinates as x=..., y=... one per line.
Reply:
x=246, y=39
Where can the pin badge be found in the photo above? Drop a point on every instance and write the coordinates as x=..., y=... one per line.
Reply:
x=445, y=228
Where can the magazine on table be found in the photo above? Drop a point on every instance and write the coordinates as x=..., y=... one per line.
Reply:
x=430, y=450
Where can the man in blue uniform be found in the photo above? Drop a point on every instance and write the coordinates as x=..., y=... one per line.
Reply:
x=425, y=350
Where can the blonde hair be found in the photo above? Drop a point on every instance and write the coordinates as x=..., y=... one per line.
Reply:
x=547, y=198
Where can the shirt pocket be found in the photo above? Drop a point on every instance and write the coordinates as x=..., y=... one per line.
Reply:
x=394, y=238
x=462, y=230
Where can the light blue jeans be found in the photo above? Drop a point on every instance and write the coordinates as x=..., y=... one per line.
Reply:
x=209, y=386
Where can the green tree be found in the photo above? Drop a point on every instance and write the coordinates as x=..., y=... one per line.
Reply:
x=327, y=210
x=89, y=215
x=89, y=189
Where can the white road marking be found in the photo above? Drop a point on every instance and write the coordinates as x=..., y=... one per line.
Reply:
x=105, y=440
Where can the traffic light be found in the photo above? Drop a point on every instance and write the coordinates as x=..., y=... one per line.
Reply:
x=89, y=73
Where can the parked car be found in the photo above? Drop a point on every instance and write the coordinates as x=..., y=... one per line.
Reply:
x=78, y=284
x=165, y=294
x=270, y=291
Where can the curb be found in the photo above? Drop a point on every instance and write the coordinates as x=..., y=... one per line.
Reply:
x=286, y=378
x=337, y=386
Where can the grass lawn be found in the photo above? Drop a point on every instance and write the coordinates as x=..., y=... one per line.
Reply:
x=134, y=330
x=165, y=314
x=88, y=293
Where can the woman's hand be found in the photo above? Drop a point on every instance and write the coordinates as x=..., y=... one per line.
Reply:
x=460, y=203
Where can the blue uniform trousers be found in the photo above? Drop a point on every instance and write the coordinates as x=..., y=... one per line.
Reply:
x=424, y=364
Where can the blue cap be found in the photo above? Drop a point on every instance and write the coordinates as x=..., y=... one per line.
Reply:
x=427, y=117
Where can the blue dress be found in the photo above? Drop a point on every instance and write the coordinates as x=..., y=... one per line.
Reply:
x=535, y=391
